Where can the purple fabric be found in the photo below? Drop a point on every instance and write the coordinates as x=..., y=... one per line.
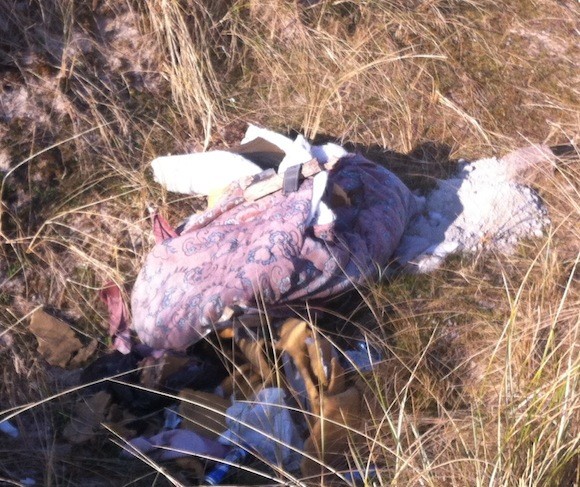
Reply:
x=178, y=443
x=263, y=253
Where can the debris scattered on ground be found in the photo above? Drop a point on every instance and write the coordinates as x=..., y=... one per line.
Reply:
x=176, y=443
x=208, y=410
x=311, y=231
x=265, y=427
x=236, y=457
x=230, y=421
x=58, y=344
x=362, y=357
x=181, y=174
x=118, y=322
x=293, y=411
x=88, y=417
x=486, y=205
x=8, y=428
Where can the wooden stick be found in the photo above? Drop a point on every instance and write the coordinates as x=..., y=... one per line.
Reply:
x=273, y=182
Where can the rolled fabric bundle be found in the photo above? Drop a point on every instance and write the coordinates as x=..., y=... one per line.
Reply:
x=242, y=256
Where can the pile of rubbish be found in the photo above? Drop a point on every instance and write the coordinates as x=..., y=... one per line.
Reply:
x=288, y=226
x=291, y=224
x=316, y=227
x=286, y=402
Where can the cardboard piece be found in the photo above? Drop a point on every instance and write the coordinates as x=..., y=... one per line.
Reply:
x=88, y=416
x=58, y=344
x=203, y=412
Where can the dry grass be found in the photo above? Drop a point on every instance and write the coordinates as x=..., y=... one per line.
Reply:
x=480, y=380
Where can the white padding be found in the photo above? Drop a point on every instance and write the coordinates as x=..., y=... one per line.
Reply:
x=201, y=173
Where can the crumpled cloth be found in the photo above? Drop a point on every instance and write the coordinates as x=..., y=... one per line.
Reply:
x=177, y=443
x=258, y=254
x=265, y=427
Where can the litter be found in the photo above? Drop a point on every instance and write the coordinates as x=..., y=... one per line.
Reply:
x=58, y=343
x=290, y=223
x=172, y=420
x=8, y=428
x=362, y=358
x=118, y=321
x=177, y=443
x=203, y=412
x=266, y=427
x=234, y=458
x=181, y=173
x=324, y=223
x=260, y=248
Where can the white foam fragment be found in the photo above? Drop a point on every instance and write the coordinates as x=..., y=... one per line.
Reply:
x=326, y=152
x=297, y=153
x=320, y=213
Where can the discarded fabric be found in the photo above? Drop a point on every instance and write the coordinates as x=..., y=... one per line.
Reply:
x=177, y=443
x=273, y=250
x=266, y=425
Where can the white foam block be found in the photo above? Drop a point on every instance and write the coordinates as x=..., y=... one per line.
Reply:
x=297, y=153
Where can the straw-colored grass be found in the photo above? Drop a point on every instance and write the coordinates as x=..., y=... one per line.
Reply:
x=479, y=383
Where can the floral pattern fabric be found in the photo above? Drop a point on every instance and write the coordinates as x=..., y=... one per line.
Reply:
x=250, y=255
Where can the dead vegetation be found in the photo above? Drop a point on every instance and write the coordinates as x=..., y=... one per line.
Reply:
x=479, y=385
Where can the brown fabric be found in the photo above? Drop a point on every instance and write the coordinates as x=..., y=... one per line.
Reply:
x=253, y=350
x=329, y=440
x=336, y=408
x=293, y=336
